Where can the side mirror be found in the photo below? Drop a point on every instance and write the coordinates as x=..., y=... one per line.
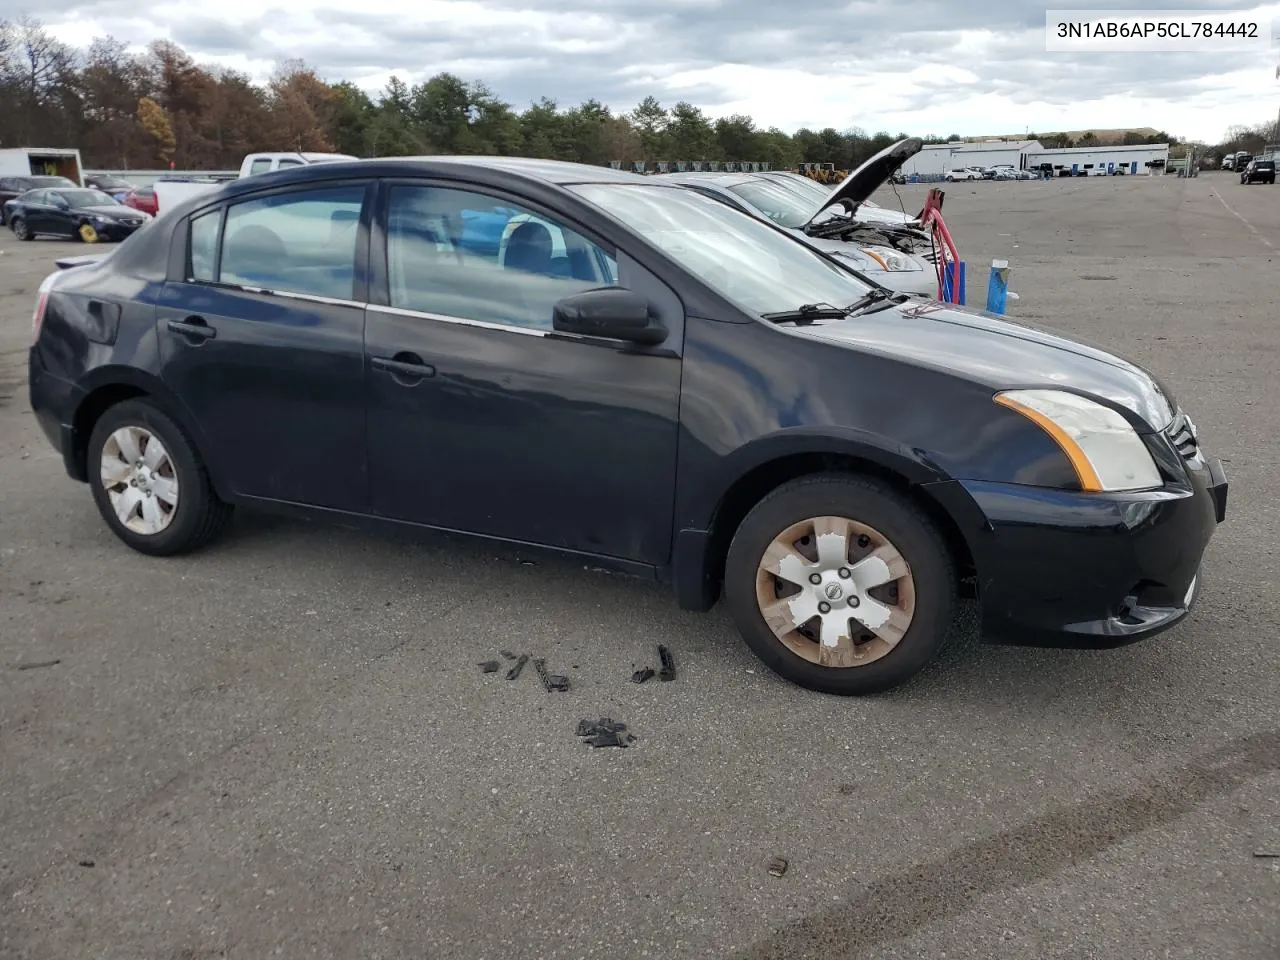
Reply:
x=608, y=312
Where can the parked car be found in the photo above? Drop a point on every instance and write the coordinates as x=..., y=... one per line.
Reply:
x=867, y=211
x=891, y=253
x=1259, y=171
x=89, y=215
x=108, y=184
x=13, y=187
x=691, y=394
x=963, y=173
x=144, y=199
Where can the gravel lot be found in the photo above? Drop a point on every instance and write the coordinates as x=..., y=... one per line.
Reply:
x=283, y=746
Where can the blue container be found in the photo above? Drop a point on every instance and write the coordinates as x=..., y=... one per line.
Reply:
x=949, y=280
x=998, y=286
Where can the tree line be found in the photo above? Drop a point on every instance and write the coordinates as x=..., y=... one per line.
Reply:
x=160, y=108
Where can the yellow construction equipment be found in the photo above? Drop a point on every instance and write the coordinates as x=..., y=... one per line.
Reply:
x=821, y=172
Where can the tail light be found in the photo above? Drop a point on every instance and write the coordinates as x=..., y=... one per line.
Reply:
x=42, y=303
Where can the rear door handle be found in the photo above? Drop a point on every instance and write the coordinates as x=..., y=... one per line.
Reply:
x=195, y=328
x=404, y=366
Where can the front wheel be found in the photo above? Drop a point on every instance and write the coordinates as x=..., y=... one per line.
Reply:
x=87, y=233
x=841, y=585
x=149, y=483
x=20, y=229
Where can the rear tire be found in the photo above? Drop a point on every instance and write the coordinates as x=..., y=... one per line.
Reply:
x=20, y=229
x=889, y=597
x=150, y=484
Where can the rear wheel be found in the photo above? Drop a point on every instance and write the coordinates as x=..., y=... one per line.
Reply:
x=20, y=229
x=840, y=584
x=149, y=483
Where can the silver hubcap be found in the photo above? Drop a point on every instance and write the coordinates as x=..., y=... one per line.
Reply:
x=140, y=480
x=835, y=591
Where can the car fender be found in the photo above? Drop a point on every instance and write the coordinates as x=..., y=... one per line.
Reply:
x=751, y=471
x=110, y=376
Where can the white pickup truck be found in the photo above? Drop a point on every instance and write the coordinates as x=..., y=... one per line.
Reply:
x=171, y=192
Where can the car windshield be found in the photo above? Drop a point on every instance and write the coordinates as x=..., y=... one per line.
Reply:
x=744, y=259
x=85, y=198
x=784, y=207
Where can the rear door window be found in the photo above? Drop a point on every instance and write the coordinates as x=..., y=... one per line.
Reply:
x=303, y=241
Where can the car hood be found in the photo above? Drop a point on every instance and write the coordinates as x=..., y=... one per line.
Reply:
x=869, y=177
x=1001, y=354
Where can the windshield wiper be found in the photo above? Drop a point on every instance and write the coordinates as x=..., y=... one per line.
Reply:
x=876, y=299
x=807, y=313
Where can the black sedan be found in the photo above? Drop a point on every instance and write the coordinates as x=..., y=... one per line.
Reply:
x=89, y=215
x=634, y=375
x=1259, y=171
x=13, y=187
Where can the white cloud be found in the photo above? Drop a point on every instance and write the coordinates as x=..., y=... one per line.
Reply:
x=875, y=65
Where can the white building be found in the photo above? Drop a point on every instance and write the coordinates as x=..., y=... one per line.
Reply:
x=937, y=158
x=1083, y=161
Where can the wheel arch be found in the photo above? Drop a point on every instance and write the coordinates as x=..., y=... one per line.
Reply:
x=699, y=558
x=105, y=387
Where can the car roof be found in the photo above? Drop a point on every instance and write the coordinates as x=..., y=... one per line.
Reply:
x=554, y=172
x=709, y=177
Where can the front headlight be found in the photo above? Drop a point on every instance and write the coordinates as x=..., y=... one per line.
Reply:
x=891, y=260
x=1105, y=450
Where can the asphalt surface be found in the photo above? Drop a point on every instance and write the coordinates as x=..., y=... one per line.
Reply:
x=284, y=746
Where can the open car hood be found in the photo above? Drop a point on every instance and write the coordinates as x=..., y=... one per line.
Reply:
x=869, y=177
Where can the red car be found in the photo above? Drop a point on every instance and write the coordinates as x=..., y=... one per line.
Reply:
x=144, y=199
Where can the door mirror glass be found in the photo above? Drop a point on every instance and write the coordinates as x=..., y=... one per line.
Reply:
x=611, y=312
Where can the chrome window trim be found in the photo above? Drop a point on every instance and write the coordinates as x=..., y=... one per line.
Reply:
x=462, y=321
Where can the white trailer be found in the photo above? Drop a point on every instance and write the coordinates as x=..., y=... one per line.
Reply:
x=42, y=162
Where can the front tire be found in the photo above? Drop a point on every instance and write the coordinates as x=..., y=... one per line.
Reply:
x=87, y=233
x=150, y=484
x=841, y=585
x=20, y=229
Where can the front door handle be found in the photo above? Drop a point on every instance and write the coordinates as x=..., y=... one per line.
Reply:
x=404, y=366
x=194, y=328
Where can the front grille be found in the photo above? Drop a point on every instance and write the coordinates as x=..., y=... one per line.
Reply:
x=1182, y=434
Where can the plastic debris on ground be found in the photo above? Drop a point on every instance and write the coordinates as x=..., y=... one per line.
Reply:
x=552, y=682
x=489, y=666
x=515, y=671
x=668, y=671
x=605, y=732
x=640, y=676
x=777, y=867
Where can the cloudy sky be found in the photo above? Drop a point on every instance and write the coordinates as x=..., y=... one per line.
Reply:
x=920, y=66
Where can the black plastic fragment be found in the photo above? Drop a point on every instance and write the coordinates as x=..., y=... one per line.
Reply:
x=605, y=733
x=609, y=739
x=549, y=681
x=508, y=654
x=515, y=671
x=668, y=671
x=489, y=666
x=640, y=676
x=588, y=728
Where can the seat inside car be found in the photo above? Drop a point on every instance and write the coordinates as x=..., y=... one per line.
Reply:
x=529, y=249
